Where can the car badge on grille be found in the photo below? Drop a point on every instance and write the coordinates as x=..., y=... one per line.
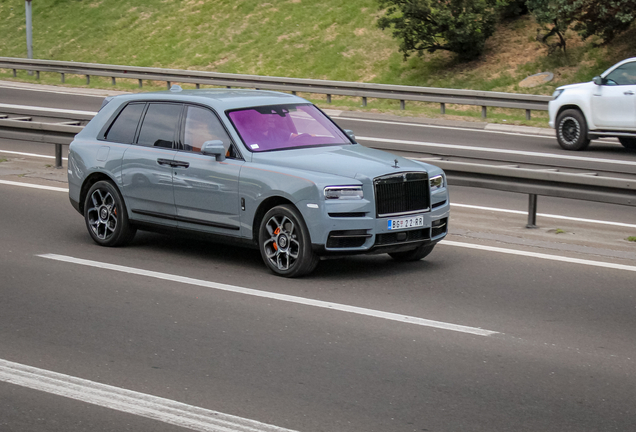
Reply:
x=396, y=163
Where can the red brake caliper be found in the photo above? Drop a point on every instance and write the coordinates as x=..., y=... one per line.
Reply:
x=276, y=233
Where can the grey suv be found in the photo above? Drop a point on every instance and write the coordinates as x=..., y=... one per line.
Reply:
x=257, y=168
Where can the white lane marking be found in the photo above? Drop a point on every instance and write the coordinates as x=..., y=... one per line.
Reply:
x=546, y=215
x=495, y=150
x=34, y=186
x=540, y=255
x=44, y=109
x=128, y=401
x=276, y=296
x=30, y=154
x=74, y=92
x=467, y=129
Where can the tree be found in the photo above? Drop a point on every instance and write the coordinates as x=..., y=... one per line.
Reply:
x=551, y=12
x=459, y=26
x=602, y=18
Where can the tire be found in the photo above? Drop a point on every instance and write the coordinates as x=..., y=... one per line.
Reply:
x=628, y=143
x=571, y=130
x=414, y=254
x=106, y=217
x=284, y=242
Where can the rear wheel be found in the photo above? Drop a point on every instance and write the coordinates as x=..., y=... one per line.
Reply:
x=284, y=243
x=628, y=143
x=106, y=217
x=414, y=254
x=571, y=130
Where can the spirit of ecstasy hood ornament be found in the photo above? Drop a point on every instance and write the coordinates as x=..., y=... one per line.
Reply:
x=396, y=163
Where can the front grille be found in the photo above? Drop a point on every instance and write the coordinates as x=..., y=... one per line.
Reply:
x=401, y=236
x=347, y=238
x=402, y=193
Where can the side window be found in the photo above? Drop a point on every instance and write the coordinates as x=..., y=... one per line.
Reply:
x=123, y=128
x=623, y=75
x=202, y=125
x=159, y=125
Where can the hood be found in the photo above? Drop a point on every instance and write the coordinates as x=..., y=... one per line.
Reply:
x=347, y=161
x=571, y=86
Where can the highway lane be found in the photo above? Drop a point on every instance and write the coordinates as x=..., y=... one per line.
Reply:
x=563, y=359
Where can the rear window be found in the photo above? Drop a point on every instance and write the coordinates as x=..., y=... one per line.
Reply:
x=285, y=126
x=123, y=128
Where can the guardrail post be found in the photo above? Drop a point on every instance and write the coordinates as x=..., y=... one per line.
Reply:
x=62, y=77
x=528, y=115
x=364, y=101
x=58, y=155
x=228, y=87
x=294, y=92
x=168, y=84
x=442, y=108
x=140, y=84
x=15, y=73
x=198, y=86
x=37, y=75
x=532, y=211
x=113, y=82
x=402, y=104
x=329, y=98
x=88, y=79
x=483, y=112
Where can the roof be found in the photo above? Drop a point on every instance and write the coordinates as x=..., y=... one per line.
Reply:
x=220, y=99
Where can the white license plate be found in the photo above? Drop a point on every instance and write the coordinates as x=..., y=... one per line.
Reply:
x=403, y=223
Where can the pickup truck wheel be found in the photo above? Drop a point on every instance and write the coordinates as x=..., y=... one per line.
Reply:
x=571, y=130
x=413, y=255
x=628, y=143
x=106, y=217
x=284, y=242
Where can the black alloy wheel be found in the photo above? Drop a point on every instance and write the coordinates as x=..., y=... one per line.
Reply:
x=106, y=217
x=285, y=244
x=413, y=254
x=571, y=130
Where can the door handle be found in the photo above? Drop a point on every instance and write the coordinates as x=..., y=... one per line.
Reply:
x=164, y=162
x=179, y=164
x=629, y=93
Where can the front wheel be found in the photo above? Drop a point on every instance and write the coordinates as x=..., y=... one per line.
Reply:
x=414, y=254
x=284, y=242
x=571, y=130
x=628, y=143
x=106, y=217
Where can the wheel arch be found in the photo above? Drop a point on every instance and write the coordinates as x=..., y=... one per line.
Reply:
x=89, y=182
x=264, y=207
x=570, y=106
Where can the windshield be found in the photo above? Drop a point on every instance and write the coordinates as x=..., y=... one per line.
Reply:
x=285, y=126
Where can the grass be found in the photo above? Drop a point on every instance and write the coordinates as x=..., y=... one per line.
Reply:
x=559, y=231
x=330, y=39
x=3, y=160
x=631, y=238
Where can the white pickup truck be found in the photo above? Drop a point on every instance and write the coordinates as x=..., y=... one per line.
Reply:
x=604, y=107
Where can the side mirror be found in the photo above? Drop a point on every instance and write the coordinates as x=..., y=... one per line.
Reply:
x=350, y=134
x=214, y=148
x=599, y=81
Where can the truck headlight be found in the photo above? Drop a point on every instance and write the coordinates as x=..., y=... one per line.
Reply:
x=557, y=93
x=344, y=192
x=436, y=182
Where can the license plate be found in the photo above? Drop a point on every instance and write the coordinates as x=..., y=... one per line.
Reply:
x=403, y=223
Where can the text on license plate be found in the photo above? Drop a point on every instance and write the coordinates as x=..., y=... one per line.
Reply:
x=408, y=222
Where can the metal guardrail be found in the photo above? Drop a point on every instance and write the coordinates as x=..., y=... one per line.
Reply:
x=531, y=181
x=364, y=90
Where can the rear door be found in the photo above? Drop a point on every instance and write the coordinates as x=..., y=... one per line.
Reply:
x=147, y=165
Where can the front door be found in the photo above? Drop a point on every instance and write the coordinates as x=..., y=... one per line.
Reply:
x=614, y=104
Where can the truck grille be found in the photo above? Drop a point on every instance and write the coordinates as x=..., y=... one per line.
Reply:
x=402, y=193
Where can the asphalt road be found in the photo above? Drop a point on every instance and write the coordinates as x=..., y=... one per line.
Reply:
x=560, y=358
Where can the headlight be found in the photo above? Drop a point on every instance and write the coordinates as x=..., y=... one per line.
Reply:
x=436, y=182
x=557, y=93
x=344, y=192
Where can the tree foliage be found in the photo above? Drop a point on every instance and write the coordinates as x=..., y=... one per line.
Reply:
x=604, y=18
x=551, y=12
x=459, y=26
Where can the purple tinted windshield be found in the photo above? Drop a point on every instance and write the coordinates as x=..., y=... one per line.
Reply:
x=285, y=126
